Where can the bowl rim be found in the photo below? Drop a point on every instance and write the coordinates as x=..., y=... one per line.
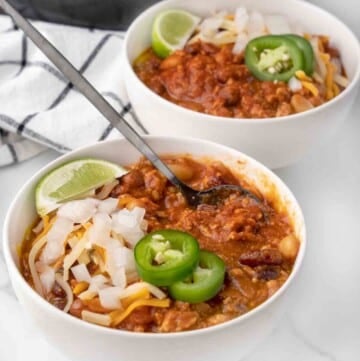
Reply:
x=354, y=82
x=42, y=303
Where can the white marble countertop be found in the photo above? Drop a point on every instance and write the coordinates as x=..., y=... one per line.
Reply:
x=322, y=322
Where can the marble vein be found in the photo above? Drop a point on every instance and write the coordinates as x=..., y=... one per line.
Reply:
x=316, y=349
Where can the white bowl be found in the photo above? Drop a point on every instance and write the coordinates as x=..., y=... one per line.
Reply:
x=82, y=341
x=276, y=142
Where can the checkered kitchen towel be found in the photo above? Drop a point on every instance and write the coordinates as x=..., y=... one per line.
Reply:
x=39, y=108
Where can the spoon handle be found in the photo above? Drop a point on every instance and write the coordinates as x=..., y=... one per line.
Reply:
x=85, y=87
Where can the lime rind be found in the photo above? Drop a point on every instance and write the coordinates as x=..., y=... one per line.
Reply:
x=73, y=180
x=171, y=30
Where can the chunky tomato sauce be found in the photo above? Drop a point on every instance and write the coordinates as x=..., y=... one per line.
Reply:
x=256, y=243
x=213, y=80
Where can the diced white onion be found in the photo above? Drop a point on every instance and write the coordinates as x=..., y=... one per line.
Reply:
x=125, y=258
x=224, y=37
x=110, y=297
x=229, y=25
x=139, y=213
x=256, y=25
x=128, y=224
x=97, y=283
x=240, y=44
x=117, y=262
x=294, y=84
x=277, y=24
x=100, y=230
x=210, y=26
x=108, y=205
x=47, y=278
x=119, y=277
x=79, y=211
x=81, y=273
x=75, y=253
x=221, y=38
x=241, y=19
x=56, y=237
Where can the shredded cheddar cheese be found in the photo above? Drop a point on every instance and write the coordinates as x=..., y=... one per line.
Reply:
x=300, y=74
x=100, y=251
x=118, y=316
x=329, y=81
x=75, y=253
x=141, y=294
x=311, y=87
x=336, y=89
x=80, y=287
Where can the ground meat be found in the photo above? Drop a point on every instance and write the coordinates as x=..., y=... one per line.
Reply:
x=178, y=321
x=139, y=320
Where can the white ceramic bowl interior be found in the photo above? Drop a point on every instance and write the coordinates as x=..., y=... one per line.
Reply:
x=82, y=341
x=276, y=142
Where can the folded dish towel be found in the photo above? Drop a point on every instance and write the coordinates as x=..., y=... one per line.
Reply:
x=39, y=108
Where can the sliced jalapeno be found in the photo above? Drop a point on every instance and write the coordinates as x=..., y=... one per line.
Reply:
x=204, y=283
x=166, y=256
x=273, y=57
x=307, y=51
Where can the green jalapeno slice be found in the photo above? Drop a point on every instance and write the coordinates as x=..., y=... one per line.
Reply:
x=166, y=256
x=273, y=58
x=307, y=50
x=204, y=283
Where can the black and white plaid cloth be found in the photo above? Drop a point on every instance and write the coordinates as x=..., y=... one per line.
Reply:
x=39, y=108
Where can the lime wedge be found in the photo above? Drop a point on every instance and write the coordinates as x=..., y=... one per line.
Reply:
x=171, y=30
x=73, y=180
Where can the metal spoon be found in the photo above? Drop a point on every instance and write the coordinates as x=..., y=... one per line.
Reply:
x=193, y=197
